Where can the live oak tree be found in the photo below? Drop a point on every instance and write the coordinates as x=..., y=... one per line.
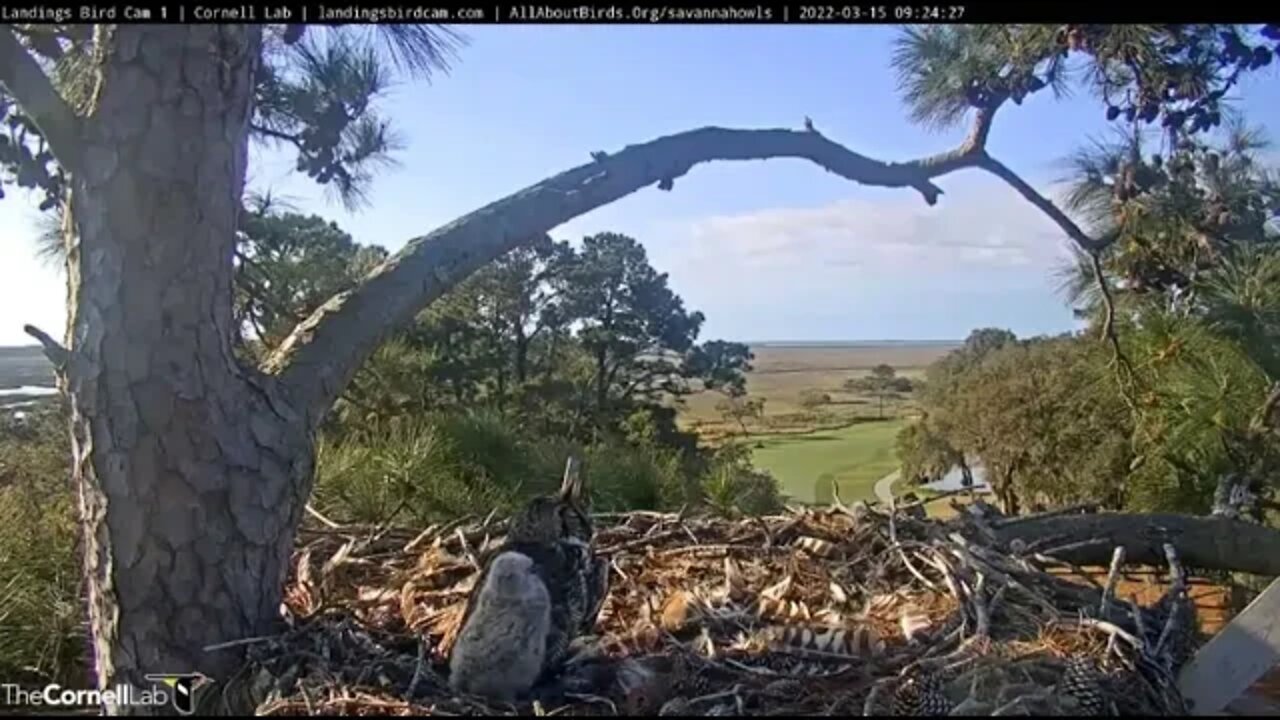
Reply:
x=738, y=408
x=882, y=382
x=193, y=466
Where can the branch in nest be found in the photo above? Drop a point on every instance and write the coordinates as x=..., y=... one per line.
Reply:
x=1204, y=542
x=1071, y=510
x=1175, y=596
x=1113, y=576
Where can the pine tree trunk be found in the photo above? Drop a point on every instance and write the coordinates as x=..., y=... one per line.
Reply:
x=192, y=471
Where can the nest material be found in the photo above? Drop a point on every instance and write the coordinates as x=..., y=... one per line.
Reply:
x=815, y=612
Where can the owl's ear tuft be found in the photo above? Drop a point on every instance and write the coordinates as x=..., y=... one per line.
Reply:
x=571, y=488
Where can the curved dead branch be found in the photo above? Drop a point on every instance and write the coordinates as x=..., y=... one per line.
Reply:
x=322, y=354
x=1073, y=231
x=22, y=77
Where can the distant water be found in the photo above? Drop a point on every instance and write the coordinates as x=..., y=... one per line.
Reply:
x=951, y=481
x=29, y=390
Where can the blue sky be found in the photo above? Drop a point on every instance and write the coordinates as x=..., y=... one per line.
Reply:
x=776, y=250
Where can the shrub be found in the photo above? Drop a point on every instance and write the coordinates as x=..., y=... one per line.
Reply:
x=41, y=616
x=627, y=477
x=433, y=469
x=730, y=485
x=813, y=399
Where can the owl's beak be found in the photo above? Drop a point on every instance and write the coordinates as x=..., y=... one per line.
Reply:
x=571, y=489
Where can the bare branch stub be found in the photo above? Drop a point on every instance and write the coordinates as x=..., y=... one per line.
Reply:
x=57, y=354
x=22, y=77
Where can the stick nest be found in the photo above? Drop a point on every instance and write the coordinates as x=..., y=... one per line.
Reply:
x=814, y=612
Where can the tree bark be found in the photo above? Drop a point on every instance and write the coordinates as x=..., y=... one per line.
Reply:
x=1203, y=542
x=192, y=471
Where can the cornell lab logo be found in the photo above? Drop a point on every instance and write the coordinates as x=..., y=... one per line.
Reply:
x=184, y=688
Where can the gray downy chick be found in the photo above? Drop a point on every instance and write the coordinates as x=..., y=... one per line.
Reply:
x=556, y=532
x=500, y=651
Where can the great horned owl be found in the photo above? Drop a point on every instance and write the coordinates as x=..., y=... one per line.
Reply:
x=500, y=653
x=555, y=532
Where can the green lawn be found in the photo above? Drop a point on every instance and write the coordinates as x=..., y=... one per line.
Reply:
x=856, y=457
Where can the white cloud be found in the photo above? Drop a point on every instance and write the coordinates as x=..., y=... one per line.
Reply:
x=981, y=226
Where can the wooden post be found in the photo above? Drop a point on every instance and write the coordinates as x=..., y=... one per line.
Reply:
x=1241, y=653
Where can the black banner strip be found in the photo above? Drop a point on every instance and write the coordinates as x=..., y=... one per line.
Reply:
x=793, y=13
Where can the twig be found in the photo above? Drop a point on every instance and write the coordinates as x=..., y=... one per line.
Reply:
x=1074, y=546
x=980, y=607
x=1138, y=624
x=1118, y=357
x=717, y=695
x=1111, y=629
x=723, y=549
x=1071, y=510
x=1113, y=576
x=1034, y=545
x=613, y=563
x=1013, y=704
x=912, y=569
x=594, y=699
x=239, y=643
x=417, y=669
x=639, y=542
x=1076, y=569
x=689, y=532
x=1176, y=594
x=839, y=503
x=869, y=705
x=324, y=520
x=466, y=548
x=935, y=498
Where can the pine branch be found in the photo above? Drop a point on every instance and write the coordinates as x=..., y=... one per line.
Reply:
x=22, y=77
x=322, y=354
x=1068, y=226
